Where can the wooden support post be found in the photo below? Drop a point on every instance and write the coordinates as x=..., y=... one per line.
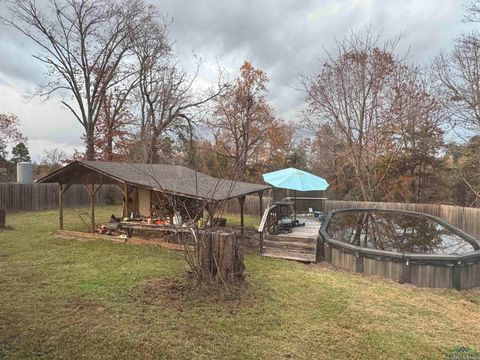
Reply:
x=125, y=199
x=92, y=190
x=60, y=206
x=241, y=199
x=260, y=197
x=61, y=191
x=91, y=196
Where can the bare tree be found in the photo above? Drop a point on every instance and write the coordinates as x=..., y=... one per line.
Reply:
x=83, y=44
x=54, y=157
x=473, y=12
x=353, y=92
x=459, y=75
x=165, y=92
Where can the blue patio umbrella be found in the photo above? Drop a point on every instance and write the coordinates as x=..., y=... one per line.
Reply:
x=295, y=179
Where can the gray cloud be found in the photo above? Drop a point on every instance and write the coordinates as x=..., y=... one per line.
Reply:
x=285, y=38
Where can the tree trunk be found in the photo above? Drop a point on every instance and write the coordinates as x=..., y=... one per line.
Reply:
x=152, y=155
x=109, y=147
x=220, y=257
x=90, y=143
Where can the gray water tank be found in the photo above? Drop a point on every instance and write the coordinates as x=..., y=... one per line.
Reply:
x=24, y=173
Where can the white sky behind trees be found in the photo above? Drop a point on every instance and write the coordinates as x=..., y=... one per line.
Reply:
x=284, y=38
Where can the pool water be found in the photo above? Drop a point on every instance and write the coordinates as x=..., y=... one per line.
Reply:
x=397, y=232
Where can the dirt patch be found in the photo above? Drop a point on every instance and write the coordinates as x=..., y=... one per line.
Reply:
x=181, y=293
x=80, y=304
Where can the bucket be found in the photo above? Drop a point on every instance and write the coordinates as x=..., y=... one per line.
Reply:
x=177, y=219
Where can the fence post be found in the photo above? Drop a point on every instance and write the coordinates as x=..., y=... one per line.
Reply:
x=241, y=199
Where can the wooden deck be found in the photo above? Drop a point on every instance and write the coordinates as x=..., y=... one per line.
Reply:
x=300, y=244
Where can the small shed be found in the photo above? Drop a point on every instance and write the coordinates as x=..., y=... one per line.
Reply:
x=145, y=185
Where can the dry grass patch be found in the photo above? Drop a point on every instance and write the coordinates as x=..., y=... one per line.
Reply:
x=181, y=293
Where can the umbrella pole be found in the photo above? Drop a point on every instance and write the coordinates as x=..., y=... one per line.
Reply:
x=295, y=206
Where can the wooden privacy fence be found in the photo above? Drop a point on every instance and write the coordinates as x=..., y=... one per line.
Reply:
x=27, y=197
x=251, y=206
x=464, y=218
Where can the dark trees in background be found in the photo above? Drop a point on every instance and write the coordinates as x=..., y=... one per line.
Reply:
x=20, y=153
x=9, y=133
x=83, y=44
x=462, y=172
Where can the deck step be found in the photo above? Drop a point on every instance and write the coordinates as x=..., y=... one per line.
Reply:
x=291, y=239
x=293, y=251
x=289, y=255
x=290, y=245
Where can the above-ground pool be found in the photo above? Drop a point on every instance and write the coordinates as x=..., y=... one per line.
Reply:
x=405, y=246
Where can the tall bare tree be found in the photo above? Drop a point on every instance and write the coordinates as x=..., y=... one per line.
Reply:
x=83, y=44
x=459, y=75
x=165, y=92
x=353, y=92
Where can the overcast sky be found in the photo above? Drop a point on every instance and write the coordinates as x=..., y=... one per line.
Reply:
x=285, y=38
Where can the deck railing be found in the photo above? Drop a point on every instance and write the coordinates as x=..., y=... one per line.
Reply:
x=268, y=221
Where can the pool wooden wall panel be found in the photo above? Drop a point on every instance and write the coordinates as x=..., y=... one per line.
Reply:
x=432, y=276
x=470, y=276
x=384, y=268
x=343, y=260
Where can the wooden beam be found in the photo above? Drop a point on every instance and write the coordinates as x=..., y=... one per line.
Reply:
x=61, y=190
x=125, y=199
x=92, y=190
x=241, y=199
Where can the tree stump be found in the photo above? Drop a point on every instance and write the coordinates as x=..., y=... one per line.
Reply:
x=2, y=219
x=220, y=257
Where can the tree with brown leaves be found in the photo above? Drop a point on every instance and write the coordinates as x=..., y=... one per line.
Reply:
x=9, y=133
x=244, y=124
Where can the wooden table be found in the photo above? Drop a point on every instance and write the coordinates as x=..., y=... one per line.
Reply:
x=129, y=226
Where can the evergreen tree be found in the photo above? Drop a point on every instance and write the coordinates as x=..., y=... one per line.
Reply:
x=20, y=153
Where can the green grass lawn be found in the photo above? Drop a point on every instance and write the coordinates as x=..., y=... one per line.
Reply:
x=70, y=299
